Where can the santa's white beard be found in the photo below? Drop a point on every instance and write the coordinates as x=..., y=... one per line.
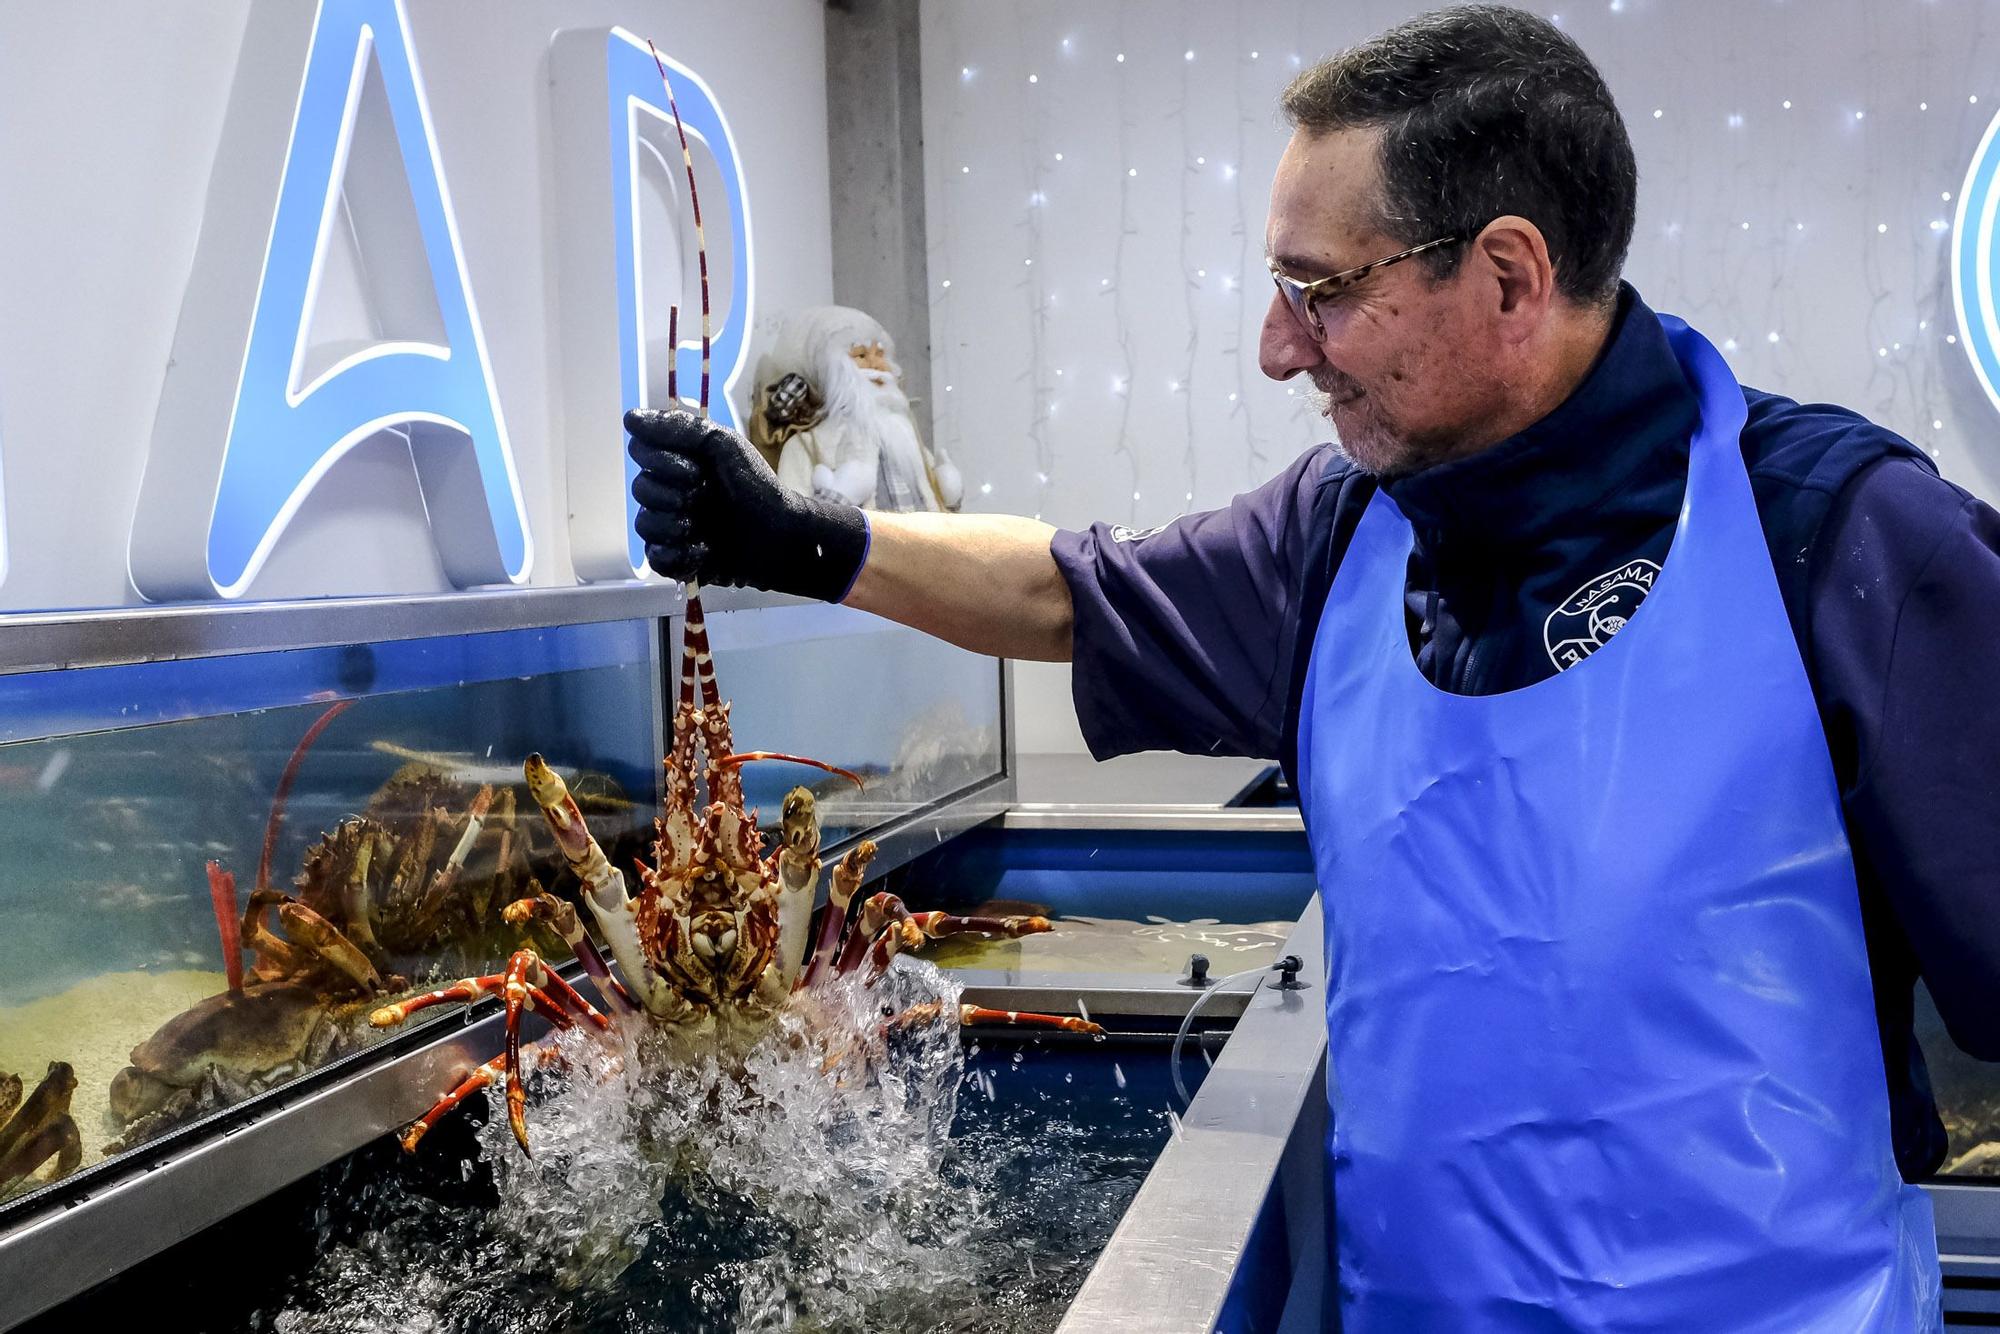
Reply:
x=903, y=482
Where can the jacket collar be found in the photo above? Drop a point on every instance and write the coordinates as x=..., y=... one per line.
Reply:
x=1633, y=409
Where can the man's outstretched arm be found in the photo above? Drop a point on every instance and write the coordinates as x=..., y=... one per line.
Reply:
x=985, y=582
x=712, y=509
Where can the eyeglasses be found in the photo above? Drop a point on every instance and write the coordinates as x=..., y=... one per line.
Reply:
x=1304, y=298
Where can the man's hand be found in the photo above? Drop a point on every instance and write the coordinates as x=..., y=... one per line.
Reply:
x=711, y=509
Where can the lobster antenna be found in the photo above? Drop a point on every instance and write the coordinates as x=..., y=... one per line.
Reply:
x=694, y=206
x=694, y=628
x=737, y=761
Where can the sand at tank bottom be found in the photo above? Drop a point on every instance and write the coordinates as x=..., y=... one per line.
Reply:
x=94, y=1026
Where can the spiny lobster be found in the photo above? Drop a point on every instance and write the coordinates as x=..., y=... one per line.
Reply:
x=719, y=930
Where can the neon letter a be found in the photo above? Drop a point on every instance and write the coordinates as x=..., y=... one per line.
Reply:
x=283, y=432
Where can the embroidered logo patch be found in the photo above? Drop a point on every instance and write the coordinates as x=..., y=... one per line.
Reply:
x=1587, y=619
x=1121, y=533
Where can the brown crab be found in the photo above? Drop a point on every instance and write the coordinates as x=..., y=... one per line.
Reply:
x=225, y=1049
x=388, y=884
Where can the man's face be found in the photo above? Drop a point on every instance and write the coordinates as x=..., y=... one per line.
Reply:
x=1407, y=367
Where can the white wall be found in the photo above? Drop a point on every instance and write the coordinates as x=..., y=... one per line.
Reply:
x=110, y=115
x=1099, y=331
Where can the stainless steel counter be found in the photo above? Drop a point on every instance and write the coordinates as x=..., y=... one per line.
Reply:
x=1157, y=778
x=1228, y=1230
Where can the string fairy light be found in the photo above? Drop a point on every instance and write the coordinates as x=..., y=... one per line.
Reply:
x=1765, y=242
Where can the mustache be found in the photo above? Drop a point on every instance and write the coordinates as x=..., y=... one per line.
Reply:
x=1328, y=387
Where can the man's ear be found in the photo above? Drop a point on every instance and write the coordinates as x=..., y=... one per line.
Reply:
x=1519, y=280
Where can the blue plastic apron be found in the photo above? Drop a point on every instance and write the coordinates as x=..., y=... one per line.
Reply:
x=1602, y=1049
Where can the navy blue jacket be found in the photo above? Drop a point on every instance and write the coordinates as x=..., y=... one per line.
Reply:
x=1531, y=554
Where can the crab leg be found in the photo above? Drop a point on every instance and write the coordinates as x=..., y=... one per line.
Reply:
x=324, y=940
x=447, y=875
x=499, y=823
x=42, y=1127
x=59, y=1141
x=847, y=878
x=275, y=957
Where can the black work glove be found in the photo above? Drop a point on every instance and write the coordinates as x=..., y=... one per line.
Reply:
x=711, y=509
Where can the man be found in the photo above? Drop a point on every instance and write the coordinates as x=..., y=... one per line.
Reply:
x=1640, y=722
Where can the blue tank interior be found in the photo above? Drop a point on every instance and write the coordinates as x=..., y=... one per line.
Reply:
x=1175, y=873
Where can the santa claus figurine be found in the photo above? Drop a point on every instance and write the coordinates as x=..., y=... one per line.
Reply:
x=830, y=415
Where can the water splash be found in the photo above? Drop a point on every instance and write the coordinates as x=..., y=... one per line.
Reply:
x=794, y=1179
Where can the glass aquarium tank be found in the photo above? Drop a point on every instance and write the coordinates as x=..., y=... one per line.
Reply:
x=1968, y=1100
x=990, y=1227
x=218, y=864
x=212, y=868
x=916, y=719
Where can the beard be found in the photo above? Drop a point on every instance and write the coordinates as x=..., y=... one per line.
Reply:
x=1366, y=436
x=869, y=406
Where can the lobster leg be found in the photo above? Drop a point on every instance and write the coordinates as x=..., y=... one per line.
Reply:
x=464, y=991
x=884, y=929
x=562, y=919
x=972, y=1015
x=797, y=867
x=847, y=878
x=604, y=889
x=471, y=1084
x=526, y=985
x=969, y=1016
x=887, y=928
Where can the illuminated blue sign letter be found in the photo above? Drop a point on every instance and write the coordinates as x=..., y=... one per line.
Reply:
x=289, y=421
x=1975, y=250
x=619, y=277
